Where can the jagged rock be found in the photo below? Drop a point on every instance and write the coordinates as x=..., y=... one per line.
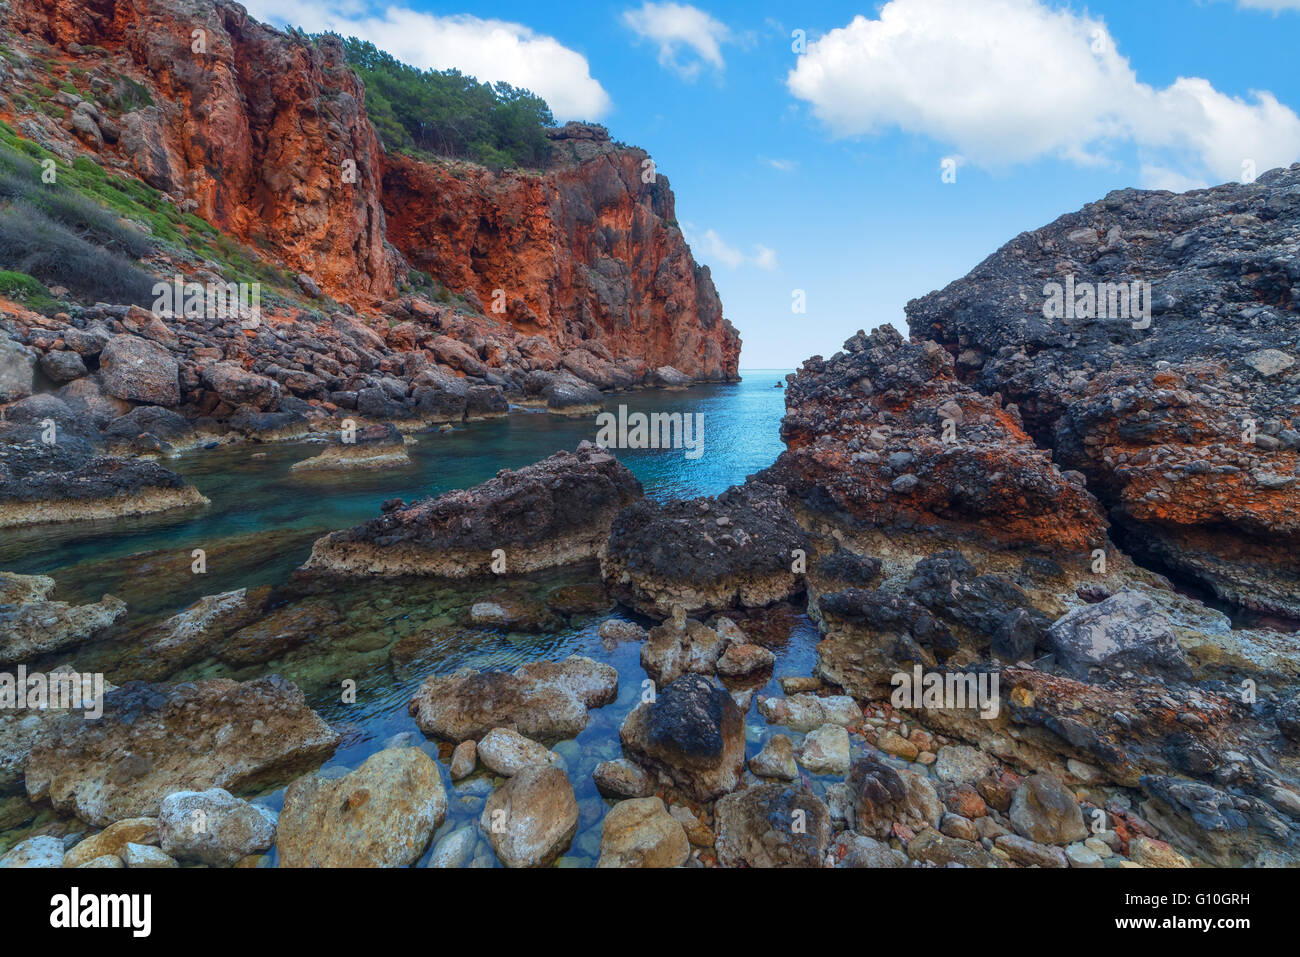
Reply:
x=1160, y=442
x=236, y=385
x=883, y=795
x=383, y=814
x=641, y=833
x=532, y=818
x=1224, y=828
x=195, y=633
x=543, y=699
x=555, y=512
x=679, y=646
x=745, y=660
x=857, y=850
x=156, y=739
x=707, y=554
x=1125, y=632
x=865, y=442
x=692, y=735
x=213, y=827
x=30, y=629
x=772, y=825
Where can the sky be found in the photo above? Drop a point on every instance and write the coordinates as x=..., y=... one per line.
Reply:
x=854, y=156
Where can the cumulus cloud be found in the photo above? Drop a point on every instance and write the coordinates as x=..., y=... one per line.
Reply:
x=491, y=50
x=688, y=38
x=1008, y=81
x=711, y=248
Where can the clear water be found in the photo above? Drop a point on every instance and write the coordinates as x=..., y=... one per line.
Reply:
x=389, y=636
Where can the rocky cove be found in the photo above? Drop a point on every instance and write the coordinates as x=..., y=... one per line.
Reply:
x=361, y=588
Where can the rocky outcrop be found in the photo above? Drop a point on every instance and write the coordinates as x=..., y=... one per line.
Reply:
x=706, y=554
x=552, y=513
x=70, y=481
x=156, y=739
x=1182, y=415
x=883, y=435
x=374, y=447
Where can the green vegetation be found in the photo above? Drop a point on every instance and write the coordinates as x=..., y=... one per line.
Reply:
x=449, y=114
x=77, y=232
x=28, y=290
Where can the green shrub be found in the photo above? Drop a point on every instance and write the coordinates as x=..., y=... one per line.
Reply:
x=29, y=290
x=37, y=245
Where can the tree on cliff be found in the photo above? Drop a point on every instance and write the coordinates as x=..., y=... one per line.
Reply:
x=450, y=114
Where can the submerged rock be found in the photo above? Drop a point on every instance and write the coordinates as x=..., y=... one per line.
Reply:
x=29, y=629
x=506, y=752
x=383, y=814
x=555, y=512
x=707, y=554
x=543, y=699
x=157, y=739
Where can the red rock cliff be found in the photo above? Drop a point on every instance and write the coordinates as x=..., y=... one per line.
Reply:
x=260, y=129
x=586, y=251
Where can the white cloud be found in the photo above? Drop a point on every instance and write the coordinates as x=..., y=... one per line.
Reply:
x=688, y=38
x=1007, y=81
x=782, y=165
x=711, y=248
x=491, y=50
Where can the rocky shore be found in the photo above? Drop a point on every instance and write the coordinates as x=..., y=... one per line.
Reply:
x=961, y=621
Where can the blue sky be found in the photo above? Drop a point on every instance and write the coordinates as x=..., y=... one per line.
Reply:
x=822, y=170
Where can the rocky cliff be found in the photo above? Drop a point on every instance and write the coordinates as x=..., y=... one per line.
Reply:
x=1184, y=414
x=265, y=135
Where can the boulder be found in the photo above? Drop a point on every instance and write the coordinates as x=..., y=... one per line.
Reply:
x=692, y=736
x=546, y=700
x=213, y=827
x=641, y=833
x=1046, y=812
x=772, y=825
x=139, y=370
x=506, y=752
x=1127, y=631
x=383, y=814
x=532, y=818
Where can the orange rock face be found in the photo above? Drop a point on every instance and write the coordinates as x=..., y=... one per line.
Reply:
x=265, y=133
x=267, y=137
x=885, y=436
x=586, y=251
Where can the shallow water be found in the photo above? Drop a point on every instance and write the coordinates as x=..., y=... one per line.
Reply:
x=389, y=636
